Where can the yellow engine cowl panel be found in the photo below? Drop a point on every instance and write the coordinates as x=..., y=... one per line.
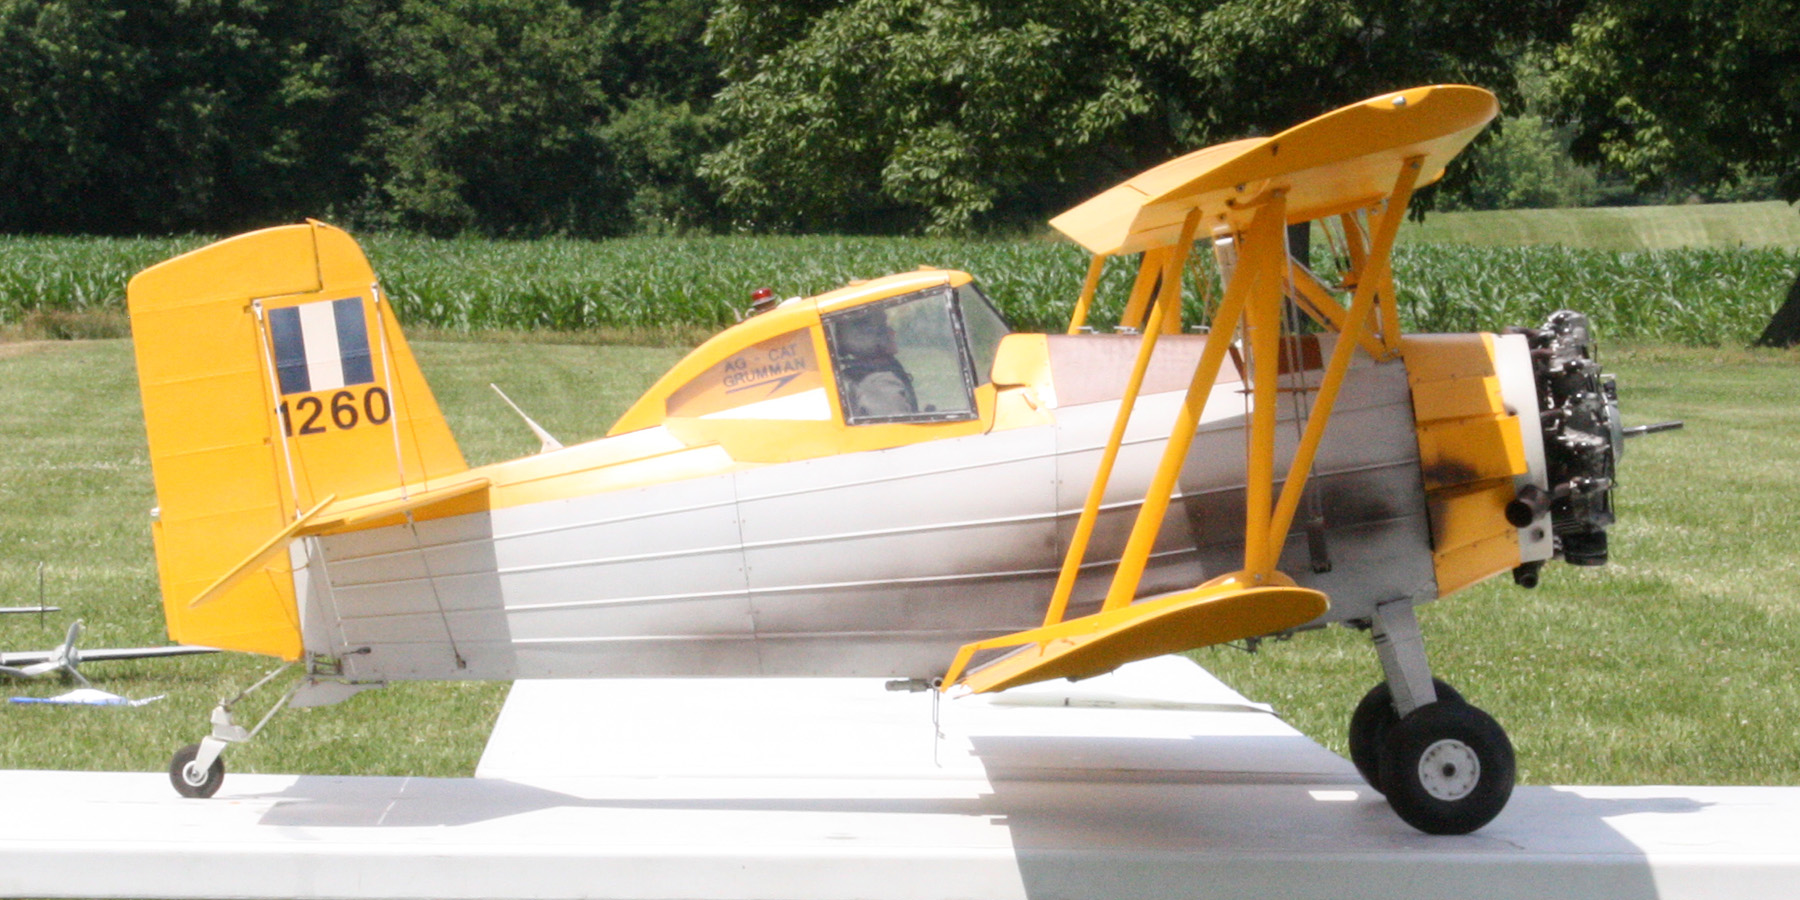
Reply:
x=1471, y=448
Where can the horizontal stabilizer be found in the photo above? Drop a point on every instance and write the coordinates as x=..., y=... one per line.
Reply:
x=261, y=556
x=365, y=512
x=1099, y=643
x=330, y=516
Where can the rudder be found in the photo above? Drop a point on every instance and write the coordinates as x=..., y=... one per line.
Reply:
x=274, y=376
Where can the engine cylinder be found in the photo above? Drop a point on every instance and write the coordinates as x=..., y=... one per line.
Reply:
x=1579, y=413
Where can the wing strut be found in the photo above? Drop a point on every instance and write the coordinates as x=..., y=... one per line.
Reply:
x=1258, y=598
x=1167, y=306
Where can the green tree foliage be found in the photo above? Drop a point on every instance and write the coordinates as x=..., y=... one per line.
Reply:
x=1524, y=163
x=658, y=146
x=660, y=65
x=485, y=115
x=890, y=115
x=503, y=116
x=1682, y=89
x=541, y=116
x=162, y=114
x=1705, y=92
x=599, y=117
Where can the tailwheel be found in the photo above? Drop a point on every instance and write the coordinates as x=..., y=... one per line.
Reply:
x=1370, y=724
x=1447, y=768
x=197, y=770
x=190, y=778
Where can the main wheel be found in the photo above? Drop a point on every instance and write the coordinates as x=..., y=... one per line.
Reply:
x=1447, y=768
x=1370, y=724
x=189, y=781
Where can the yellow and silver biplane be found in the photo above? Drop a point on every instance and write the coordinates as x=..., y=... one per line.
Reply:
x=883, y=480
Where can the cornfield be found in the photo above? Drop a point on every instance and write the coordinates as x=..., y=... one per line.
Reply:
x=1692, y=296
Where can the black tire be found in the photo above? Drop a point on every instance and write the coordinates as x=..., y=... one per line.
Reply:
x=1448, y=768
x=187, y=782
x=1370, y=724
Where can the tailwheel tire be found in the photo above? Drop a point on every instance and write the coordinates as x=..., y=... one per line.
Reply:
x=189, y=781
x=1370, y=724
x=1448, y=768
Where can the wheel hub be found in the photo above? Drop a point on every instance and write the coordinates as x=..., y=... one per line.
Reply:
x=191, y=774
x=1449, y=769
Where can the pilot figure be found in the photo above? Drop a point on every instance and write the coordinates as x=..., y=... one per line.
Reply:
x=875, y=384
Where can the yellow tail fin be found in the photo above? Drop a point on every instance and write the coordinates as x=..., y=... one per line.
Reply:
x=274, y=376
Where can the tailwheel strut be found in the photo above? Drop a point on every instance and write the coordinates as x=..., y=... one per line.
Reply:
x=197, y=770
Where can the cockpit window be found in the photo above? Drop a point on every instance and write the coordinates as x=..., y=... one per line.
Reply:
x=902, y=360
x=985, y=328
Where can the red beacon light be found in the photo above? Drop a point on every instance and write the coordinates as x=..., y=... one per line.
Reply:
x=761, y=301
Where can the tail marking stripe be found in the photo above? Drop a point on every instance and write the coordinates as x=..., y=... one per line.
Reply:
x=353, y=341
x=321, y=346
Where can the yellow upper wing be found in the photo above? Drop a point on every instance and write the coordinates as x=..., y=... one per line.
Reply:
x=1343, y=160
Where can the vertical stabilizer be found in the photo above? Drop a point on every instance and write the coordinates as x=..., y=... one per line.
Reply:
x=274, y=376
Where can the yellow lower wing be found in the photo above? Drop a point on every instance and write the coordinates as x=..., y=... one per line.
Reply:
x=1099, y=643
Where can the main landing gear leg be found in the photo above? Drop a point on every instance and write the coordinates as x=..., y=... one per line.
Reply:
x=1445, y=766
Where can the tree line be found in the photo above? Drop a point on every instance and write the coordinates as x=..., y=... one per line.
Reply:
x=610, y=117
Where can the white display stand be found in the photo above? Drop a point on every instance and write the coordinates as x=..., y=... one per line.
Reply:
x=1154, y=782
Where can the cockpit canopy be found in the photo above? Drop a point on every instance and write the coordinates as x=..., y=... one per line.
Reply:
x=913, y=349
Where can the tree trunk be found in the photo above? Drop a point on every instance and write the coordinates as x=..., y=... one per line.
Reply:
x=1784, y=326
x=1300, y=242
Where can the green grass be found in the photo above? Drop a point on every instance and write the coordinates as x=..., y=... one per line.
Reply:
x=1719, y=225
x=1674, y=665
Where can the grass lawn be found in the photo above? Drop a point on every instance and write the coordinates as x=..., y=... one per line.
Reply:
x=1769, y=223
x=1674, y=665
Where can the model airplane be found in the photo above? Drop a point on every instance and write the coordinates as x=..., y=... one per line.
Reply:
x=883, y=481
x=66, y=659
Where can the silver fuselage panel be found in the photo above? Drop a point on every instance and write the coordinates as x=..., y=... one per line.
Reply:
x=878, y=563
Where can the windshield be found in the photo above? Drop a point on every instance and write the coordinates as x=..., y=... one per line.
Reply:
x=901, y=360
x=984, y=327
